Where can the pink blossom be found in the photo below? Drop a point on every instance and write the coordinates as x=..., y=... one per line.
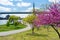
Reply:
x=47, y=18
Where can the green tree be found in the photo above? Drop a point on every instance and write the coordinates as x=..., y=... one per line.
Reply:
x=13, y=20
x=29, y=19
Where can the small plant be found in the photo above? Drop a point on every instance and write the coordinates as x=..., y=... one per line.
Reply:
x=16, y=23
x=8, y=24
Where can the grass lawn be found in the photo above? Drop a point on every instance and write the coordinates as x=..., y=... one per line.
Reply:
x=42, y=34
x=11, y=27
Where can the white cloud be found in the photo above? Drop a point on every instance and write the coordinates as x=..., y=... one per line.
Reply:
x=16, y=0
x=57, y=1
x=23, y=4
x=4, y=9
x=30, y=9
x=6, y=2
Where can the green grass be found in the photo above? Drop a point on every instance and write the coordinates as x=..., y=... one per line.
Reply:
x=41, y=34
x=11, y=27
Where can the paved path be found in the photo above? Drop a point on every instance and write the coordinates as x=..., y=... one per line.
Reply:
x=15, y=31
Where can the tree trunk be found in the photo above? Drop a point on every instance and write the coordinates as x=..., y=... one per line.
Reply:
x=56, y=30
x=32, y=26
x=32, y=30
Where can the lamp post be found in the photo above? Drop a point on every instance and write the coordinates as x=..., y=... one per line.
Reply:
x=33, y=8
x=54, y=1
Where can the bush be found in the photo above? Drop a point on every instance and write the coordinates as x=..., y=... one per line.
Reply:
x=16, y=23
x=8, y=24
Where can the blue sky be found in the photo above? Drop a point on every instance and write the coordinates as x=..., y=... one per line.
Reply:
x=21, y=5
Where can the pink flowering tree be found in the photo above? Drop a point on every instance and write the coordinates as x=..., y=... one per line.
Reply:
x=51, y=17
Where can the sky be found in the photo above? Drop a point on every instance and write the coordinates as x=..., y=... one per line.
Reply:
x=22, y=5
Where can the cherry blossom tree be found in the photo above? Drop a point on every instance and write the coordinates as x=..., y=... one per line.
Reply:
x=51, y=17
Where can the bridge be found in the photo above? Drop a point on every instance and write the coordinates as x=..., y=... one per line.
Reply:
x=12, y=13
x=15, y=12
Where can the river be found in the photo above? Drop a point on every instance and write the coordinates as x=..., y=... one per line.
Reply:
x=3, y=22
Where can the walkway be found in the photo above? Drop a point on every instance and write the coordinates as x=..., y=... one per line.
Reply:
x=15, y=31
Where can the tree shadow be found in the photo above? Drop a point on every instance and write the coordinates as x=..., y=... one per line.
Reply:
x=36, y=34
